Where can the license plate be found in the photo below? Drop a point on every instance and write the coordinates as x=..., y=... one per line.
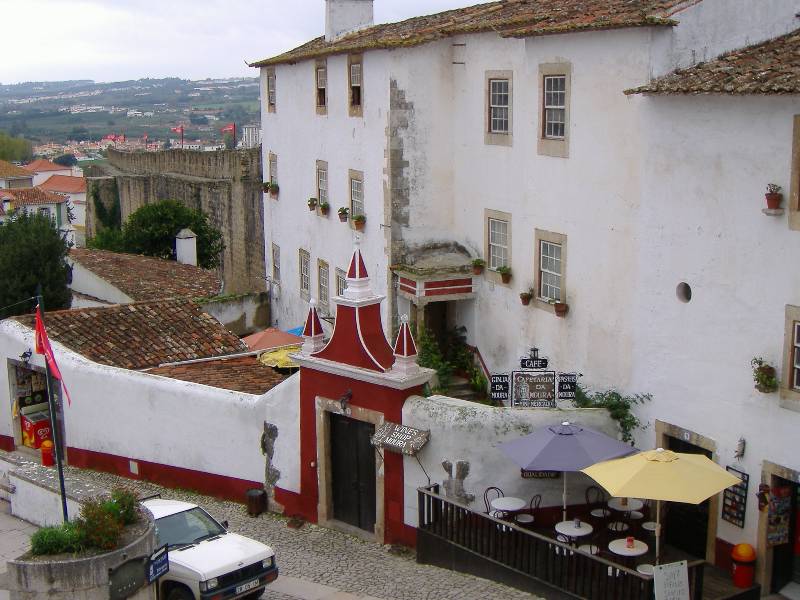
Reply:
x=250, y=585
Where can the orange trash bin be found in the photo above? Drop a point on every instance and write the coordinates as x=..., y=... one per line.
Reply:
x=47, y=453
x=744, y=570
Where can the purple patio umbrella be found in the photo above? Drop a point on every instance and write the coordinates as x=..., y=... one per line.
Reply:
x=566, y=447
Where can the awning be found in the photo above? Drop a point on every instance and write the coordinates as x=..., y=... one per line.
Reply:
x=400, y=438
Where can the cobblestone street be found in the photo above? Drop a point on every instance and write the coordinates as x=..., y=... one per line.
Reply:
x=319, y=563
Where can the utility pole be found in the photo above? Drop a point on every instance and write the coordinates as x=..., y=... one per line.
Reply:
x=53, y=420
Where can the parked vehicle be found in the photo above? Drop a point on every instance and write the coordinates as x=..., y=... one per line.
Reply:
x=205, y=560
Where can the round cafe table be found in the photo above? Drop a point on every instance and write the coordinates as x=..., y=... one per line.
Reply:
x=620, y=547
x=568, y=529
x=507, y=504
x=633, y=504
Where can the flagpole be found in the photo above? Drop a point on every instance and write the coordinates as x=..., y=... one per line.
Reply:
x=53, y=421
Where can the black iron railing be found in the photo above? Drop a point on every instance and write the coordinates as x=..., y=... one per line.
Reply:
x=556, y=564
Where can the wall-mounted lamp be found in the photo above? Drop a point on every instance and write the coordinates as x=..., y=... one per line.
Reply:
x=345, y=400
x=25, y=357
x=740, y=448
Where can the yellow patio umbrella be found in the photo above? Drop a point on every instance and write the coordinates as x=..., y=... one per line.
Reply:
x=279, y=358
x=662, y=475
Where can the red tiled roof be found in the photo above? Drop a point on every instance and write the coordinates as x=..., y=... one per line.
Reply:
x=509, y=18
x=9, y=170
x=65, y=184
x=771, y=67
x=40, y=165
x=31, y=196
x=271, y=338
x=240, y=374
x=140, y=335
x=146, y=277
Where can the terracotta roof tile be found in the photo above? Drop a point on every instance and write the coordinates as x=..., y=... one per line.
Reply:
x=146, y=277
x=65, y=184
x=31, y=196
x=241, y=374
x=40, y=165
x=509, y=18
x=9, y=170
x=140, y=335
x=771, y=67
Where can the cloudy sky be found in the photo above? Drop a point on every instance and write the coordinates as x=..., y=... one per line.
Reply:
x=112, y=40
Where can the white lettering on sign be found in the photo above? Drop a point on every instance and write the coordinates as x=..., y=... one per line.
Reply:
x=671, y=581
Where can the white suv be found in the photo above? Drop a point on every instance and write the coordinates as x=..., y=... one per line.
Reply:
x=206, y=562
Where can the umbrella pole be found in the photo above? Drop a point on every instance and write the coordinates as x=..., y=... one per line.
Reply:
x=564, y=499
x=658, y=531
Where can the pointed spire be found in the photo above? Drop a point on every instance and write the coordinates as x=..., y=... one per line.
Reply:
x=405, y=350
x=357, y=277
x=313, y=334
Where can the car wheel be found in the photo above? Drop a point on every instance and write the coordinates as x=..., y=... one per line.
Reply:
x=180, y=593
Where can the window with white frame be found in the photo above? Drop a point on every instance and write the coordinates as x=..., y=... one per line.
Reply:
x=322, y=85
x=273, y=168
x=341, y=282
x=498, y=243
x=549, y=271
x=44, y=211
x=323, y=278
x=271, y=90
x=322, y=183
x=555, y=106
x=499, y=103
x=305, y=273
x=276, y=262
x=355, y=84
x=356, y=197
x=796, y=356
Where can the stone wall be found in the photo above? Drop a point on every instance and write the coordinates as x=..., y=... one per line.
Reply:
x=226, y=185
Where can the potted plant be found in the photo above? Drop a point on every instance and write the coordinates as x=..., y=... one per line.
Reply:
x=359, y=221
x=477, y=265
x=773, y=196
x=265, y=187
x=561, y=308
x=505, y=273
x=764, y=375
x=343, y=214
x=525, y=297
x=324, y=207
x=312, y=204
x=273, y=189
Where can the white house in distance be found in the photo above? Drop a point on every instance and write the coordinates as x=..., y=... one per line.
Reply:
x=32, y=200
x=74, y=190
x=12, y=176
x=43, y=169
x=606, y=156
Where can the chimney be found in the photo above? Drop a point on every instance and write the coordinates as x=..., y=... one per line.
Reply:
x=186, y=247
x=346, y=16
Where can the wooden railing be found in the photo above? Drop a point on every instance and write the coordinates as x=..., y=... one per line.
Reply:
x=556, y=564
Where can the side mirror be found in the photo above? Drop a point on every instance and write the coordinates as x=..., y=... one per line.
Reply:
x=224, y=524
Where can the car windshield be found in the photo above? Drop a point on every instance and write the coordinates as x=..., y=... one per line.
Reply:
x=187, y=527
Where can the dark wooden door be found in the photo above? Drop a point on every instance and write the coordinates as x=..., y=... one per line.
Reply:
x=686, y=525
x=784, y=493
x=353, y=472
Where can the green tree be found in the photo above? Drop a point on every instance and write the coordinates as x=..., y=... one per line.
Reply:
x=151, y=230
x=32, y=251
x=66, y=160
x=14, y=148
x=229, y=142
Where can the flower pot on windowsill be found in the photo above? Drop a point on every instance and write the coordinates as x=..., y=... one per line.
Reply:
x=273, y=190
x=324, y=209
x=343, y=215
x=359, y=221
x=478, y=265
x=312, y=204
x=774, y=200
x=525, y=298
x=561, y=308
x=265, y=187
x=505, y=277
x=765, y=379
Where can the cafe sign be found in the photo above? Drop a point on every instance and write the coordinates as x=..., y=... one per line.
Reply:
x=400, y=438
x=500, y=387
x=533, y=390
x=526, y=474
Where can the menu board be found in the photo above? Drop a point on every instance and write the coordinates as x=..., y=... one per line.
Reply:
x=671, y=581
x=779, y=517
x=533, y=390
x=734, y=499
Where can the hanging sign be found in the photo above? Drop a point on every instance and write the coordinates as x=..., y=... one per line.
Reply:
x=400, y=438
x=539, y=474
x=500, y=387
x=533, y=363
x=671, y=581
x=533, y=390
x=734, y=499
x=567, y=386
x=158, y=564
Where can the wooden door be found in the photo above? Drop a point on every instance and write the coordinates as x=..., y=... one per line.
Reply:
x=686, y=525
x=353, y=472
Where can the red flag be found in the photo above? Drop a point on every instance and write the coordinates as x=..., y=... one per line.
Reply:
x=43, y=347
x=229, y=128
x=178, y=129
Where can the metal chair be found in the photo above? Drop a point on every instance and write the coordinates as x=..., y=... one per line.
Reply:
x=492, y=493
x=596, y=497
x=528, y=518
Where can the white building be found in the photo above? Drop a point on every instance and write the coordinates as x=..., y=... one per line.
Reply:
x=251, y=136
x=504, y=132
x=43, y=169
x=74, y=189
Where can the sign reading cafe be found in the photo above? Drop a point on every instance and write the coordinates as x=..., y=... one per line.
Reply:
x=534, y=386
x=533, y=390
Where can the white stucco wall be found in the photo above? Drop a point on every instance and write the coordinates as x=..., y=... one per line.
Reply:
x=468, y=431
x=37, y=505
x=41, y=177
x=86, y=282
x=162, y=420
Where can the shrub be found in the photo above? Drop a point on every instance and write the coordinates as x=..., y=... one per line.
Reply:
x=619, y=407
x=99, y=524
x=56, y=540
x=126, y=502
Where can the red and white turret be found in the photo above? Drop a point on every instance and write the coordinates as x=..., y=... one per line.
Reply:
x=313, y=335
x=405, y=350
